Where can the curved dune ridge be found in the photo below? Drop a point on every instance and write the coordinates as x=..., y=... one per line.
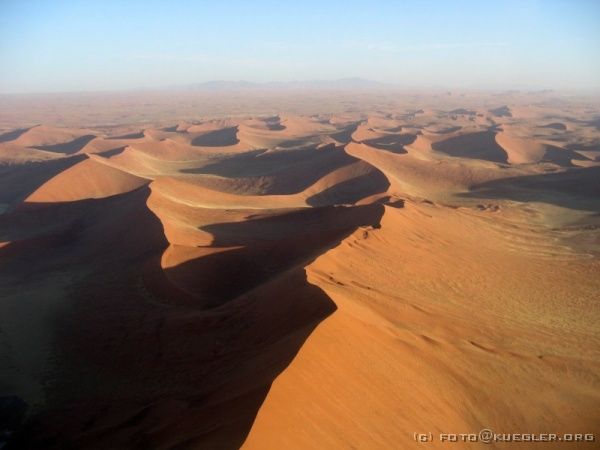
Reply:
x=528, y=151
x=302, y=281
x=480, y=145
x=87, y=179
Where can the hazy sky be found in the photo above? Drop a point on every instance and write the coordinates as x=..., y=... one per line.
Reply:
x=96, y=45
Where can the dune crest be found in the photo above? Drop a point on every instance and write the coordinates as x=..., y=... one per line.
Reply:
x=331, y=271
x=87, y=179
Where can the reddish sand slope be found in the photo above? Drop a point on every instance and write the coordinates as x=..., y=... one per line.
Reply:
x=428, y=338
x=87, y=179
x=342, y=275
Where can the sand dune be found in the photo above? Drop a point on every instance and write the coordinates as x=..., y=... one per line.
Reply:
x=12, y=135
x=268, y=246
x=417, y=176
x=481, y=145
x=521, y=151
x=15, y=154
x=501, y=111
x=527, y=151
x=292, y=274
x=411, y=328
x=287, y=132
x=556, y=126
x=50, y=138
x=217, y=138
x=18, y=181
x=86, y=179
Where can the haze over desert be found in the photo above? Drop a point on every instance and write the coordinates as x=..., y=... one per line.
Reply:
x=346, y=262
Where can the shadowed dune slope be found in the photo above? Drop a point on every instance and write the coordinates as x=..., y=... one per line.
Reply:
x=480, y=145
x=217, y=138
x=18, y=181
x=87, y=179
x=418, y=176
x=527, y=151
x=12, y=135
x=575, y=189
x=236, y=350
x=68, y=147
x=52, y=138
x=237, y=262
x=404, y=352
x=280, y=172
x=341, y=277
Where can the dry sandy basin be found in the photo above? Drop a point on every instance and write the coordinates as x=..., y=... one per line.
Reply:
x=318, y=270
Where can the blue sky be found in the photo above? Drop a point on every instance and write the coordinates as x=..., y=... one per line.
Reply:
x=53, y=46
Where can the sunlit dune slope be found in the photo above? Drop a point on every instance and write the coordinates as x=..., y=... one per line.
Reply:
x=429, y=338
x=296, y=281
x=87, y=179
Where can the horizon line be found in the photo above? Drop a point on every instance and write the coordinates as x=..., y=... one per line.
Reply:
x=361, y=84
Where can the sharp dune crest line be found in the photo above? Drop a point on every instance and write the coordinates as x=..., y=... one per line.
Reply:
x=299, y=278
x=87, y=179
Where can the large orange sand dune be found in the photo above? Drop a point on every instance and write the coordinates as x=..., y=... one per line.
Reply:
x=308, y=273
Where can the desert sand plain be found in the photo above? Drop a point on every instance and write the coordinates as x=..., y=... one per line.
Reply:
x=319, y=270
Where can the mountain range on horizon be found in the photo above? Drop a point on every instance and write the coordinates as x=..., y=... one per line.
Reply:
x=342, y=83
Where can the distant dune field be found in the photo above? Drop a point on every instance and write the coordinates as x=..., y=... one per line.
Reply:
x=277, y=270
